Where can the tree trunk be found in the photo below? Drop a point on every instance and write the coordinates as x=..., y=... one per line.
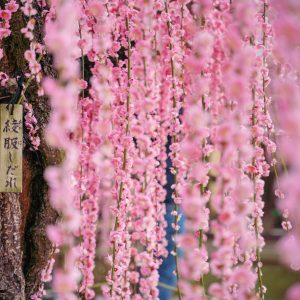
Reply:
x=12, y=282
x=24, y=247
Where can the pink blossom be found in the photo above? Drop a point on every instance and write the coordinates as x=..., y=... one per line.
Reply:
x=31, y=125
x=29, y=55
x=3, y=79
x=4, y=32
x=28, y=10
x=12, y=6
x=289, y=244
x=64, y=283
x=293, y=293
x=286, y=225
x=5, y=14
x=244, y=278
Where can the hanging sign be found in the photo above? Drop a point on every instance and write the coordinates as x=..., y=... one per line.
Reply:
x=11, y=148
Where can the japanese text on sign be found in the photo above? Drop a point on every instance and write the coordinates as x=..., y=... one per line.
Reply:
x=11, y=144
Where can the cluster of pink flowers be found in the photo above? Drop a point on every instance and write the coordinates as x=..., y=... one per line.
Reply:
x=286, y=93
x=61, y=41
x=31, y=125
x=229, y=107
x=34, y=54
x=46, y=276
x=211, y=78
x=5, y=17
x=148, y=164
x=94, y=175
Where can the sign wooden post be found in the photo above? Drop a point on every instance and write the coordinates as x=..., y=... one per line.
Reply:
x=11, y=148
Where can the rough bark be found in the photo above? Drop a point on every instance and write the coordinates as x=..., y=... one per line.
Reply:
x=24, y=247
x=12, y=283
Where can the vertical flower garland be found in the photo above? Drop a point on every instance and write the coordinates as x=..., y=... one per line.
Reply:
x=222, y=134
x=121, y=138
x=61, y=41
x=261, y=127
x=95, y=42
x=89, y=192
x=231, y=199
x=173, y=52
x=285, y=91
x=90, y=139
x=195, y=150
x=147, y=213
x=161, y=117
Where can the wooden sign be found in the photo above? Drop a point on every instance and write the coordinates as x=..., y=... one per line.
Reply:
x=11, y=148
